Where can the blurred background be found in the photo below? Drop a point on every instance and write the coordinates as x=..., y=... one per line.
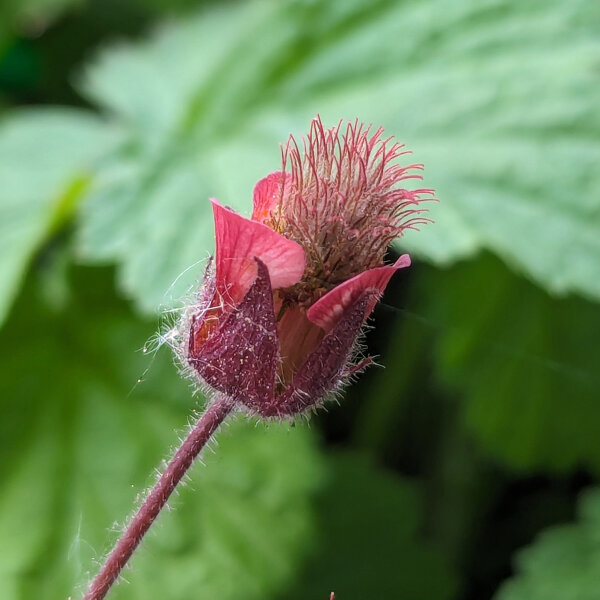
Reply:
x=464, y=469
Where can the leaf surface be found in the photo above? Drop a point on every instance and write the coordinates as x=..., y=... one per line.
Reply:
x=523, y=363
x=368, y=544
x=79, y=440
x=563, y=563
x=87, y=418
x=498, y=99
x=46, y=156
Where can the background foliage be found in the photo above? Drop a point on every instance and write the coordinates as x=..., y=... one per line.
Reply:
x=466, y=469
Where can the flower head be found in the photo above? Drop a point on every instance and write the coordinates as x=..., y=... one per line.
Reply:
x=283, y=304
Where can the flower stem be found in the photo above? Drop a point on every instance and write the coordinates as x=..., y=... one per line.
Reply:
x=206, y=425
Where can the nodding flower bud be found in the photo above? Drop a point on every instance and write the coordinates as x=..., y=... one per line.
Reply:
x=276, y=321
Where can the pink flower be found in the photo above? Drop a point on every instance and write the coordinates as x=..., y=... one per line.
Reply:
x=283, y=304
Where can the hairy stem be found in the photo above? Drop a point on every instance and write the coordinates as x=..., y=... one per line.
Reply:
x=206, y=425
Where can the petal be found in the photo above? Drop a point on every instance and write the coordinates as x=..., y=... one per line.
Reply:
x=268, y=193
x=328, y=310
x=239, y=241
x=298, y=337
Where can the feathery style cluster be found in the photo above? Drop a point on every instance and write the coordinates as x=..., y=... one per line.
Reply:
x=288, y=291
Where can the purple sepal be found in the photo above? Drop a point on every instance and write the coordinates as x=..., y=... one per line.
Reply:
x=240, y=358
x=325, y=368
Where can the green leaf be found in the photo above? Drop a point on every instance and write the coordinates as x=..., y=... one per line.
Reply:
x=79, y=440
x=241, y=526
x=29, y=17
x=564, y=563
x=368, y=542
x=87, y=416
x=524, y=364
x=45, y=158
x=16, y=12
x=499, y=100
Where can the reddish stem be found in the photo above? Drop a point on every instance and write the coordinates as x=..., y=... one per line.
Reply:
x=206, y=425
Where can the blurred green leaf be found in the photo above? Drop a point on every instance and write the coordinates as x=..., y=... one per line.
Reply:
x=499, y=100
x=564, y=563
x=367, y=545
x=30, y=17
x=45, y=157
x=524, y=363
x=38, y=10
x=79, y=440
x=242, y=525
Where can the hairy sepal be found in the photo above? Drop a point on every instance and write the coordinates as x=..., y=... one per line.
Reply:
x=240, y=358
x=328, y=366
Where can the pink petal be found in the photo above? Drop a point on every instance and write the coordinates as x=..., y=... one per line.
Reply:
x=239, y=241
x=329, y=309
x=268, y=193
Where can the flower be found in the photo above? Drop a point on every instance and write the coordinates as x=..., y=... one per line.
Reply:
x=284, y=300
